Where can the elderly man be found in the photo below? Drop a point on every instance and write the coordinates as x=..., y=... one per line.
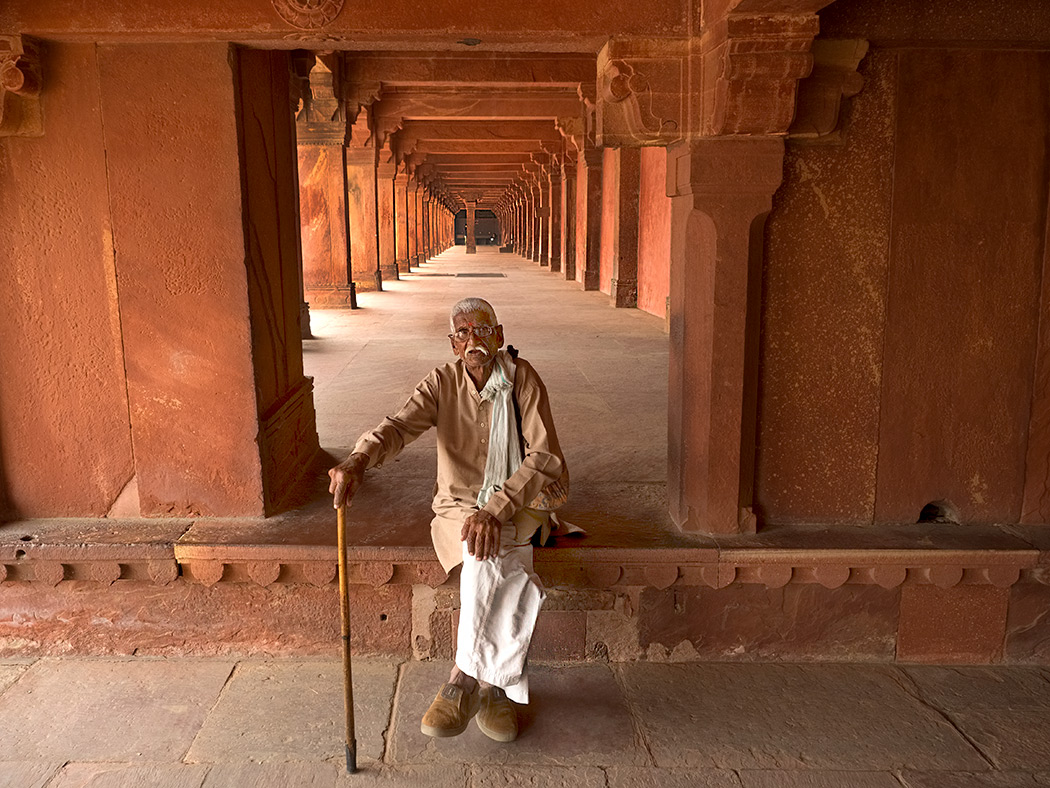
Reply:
x=500, y=472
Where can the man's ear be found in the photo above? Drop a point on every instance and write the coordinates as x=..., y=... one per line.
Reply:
x=452, y=342
x=499, y=336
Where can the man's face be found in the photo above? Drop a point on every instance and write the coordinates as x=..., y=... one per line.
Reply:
x=477, y=352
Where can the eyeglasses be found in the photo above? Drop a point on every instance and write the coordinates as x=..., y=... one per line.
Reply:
x=481, y=332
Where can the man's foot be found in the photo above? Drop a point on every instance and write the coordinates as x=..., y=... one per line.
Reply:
x=450, y=712
x=497, y=718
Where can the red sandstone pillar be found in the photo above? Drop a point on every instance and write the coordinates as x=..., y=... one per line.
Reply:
x=420, y=223
x=401, y=220
x=543, y=216
x=589, y=218
x=364, y=225
x=411, y=213
x=537, y=220
x=385, y=198
x=624, y=290
x=471, y=239
x=568, y=216
x=553, y=184
x=424, y=228
x=327, y=281
x=721, y=192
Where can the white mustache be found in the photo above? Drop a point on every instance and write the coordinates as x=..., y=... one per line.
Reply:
x=480, y=349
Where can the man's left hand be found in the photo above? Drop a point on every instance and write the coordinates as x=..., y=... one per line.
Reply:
x=481, y=533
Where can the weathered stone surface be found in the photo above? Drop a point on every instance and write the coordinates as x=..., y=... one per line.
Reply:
x=122, y=710
x=705, y=715
x=447, y=775
x=965, y=689
x=652, y=777
x=277, y=711
x=808, y=779
x=26, y=774
x=131, y=775
x=975, y=779
x=559, y=635
x=956, y=625
x=9, y=675
x=272, y=775
x=1011, y=738
x=576, y=716
x=1028, y=624
x=751, y=622
x=538, y=777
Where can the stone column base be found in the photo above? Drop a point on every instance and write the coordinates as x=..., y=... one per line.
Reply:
x=624, y=293
x=389, y=272
x=304, y=321
x=333, y=296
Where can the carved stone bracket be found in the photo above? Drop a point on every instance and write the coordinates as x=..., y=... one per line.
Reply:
x=820, y=95
x=20, y=81
x=642, y=90
x=322, y=117
x=751, y=66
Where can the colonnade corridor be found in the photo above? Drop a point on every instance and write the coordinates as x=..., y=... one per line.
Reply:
x=605, y=370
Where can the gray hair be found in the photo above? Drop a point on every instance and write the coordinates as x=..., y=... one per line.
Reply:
x=472, y=305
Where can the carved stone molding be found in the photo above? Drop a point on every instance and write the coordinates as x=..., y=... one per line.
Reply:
x=308, y=14
x=642, y=89
x=322, y=115
x=20, y=81
x=820, y=95
x=751, y=66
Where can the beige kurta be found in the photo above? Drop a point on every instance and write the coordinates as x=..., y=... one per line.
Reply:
x=448, y=399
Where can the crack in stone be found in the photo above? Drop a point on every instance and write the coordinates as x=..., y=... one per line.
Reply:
x=636, y=722
x=388, y=731
x=907, y=683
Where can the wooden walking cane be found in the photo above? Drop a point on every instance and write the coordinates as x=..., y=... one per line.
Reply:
x=348, y=684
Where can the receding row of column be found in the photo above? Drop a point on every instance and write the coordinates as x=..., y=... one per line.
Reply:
x=365, y=219
x=554, y=218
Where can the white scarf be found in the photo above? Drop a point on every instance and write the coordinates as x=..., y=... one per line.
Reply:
x=504, y=456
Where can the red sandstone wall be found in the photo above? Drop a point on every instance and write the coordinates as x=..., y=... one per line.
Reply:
x=901, y=286
x=65, y=440
x=654, y=234
x=175, y=186
x=610, y=217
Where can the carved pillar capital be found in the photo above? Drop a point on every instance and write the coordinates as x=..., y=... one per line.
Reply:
x=642, y=92
x=321, y=119
x=751, y=65
x=833, y=79
x=20, y=82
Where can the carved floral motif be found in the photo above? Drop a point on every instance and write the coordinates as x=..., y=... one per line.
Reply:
x=308, y=14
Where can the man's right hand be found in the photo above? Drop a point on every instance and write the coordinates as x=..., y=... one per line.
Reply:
x=346, y=478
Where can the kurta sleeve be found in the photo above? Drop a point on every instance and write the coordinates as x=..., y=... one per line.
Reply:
x=395, y=432
x=543, y=459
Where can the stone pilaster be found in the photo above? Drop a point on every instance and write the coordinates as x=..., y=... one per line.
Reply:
x=537, y=220
x=554, y=189
x=721, y=192
x=411, y=215
x=624, y=290
x=420, y=257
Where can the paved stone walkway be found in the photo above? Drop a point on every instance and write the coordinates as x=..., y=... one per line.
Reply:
x=188, y=723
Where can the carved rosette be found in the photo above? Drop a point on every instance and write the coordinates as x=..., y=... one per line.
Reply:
x=20, y=82
x=308, y=14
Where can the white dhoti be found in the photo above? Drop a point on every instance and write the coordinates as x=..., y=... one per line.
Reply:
x=500, y=599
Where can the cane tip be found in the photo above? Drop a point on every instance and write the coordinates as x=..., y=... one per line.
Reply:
x=351, y=758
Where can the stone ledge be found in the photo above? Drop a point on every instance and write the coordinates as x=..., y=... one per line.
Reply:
x=53, y=551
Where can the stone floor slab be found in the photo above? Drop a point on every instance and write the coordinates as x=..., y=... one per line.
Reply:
x=775, y=716
x=26, y=774
x=271, y=775
x=777, y=778
x=538, y=777
x=108, y=710
x=1010, y=738
x=979, y=687
x=577, y=717
x=975, y=779
x=654, y=777
x=445, y=776
x=130, y=775
x=293, y=711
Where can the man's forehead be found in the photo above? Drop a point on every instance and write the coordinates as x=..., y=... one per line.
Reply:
x=474, y=318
